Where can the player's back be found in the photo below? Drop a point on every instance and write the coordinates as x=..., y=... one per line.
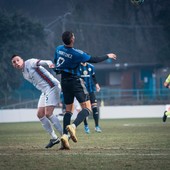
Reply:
x=69, y=58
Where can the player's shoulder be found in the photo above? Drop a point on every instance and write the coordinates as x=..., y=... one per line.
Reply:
x=77, y=51
x=90, y=65
x=32, y=62
x=60, y=47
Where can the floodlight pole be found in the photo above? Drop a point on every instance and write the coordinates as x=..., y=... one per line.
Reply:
x=62, y=18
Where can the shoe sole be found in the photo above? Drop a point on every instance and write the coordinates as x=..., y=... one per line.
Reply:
x=65, y=144
x=98, y=131
x=87, y=132
x=73, y=137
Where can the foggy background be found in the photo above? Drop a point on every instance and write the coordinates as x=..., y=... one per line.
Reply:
x=33, y=28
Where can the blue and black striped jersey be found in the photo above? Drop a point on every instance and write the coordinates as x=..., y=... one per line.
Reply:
x=68, y=59
x=87, y=72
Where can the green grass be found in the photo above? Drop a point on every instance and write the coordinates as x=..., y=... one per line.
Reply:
x=124, y=144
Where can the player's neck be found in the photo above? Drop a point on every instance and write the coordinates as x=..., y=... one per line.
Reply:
x=69, y=46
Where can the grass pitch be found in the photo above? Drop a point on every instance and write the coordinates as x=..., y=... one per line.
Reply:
x=124, y=144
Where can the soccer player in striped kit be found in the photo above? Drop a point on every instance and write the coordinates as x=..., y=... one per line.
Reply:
x=67, y=60
x=167, y=112
x=43, y=80
x=87, y=72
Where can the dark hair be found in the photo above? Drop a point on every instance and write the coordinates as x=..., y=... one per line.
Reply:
x=14, y=56
x=66, y=37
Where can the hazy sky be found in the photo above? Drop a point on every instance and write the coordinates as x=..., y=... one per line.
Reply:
x=43, y=9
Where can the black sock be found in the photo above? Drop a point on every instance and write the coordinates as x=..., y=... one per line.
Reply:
x=66, y=121
x=85, y=122
x=95, y=115
x=81, y=116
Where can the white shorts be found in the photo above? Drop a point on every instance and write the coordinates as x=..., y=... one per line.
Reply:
x=50, y=98
x=77, y=105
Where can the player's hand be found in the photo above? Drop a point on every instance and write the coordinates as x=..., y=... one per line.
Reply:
x=167, y=85
x=112, y=56
x=51, y=65
x=97, y=87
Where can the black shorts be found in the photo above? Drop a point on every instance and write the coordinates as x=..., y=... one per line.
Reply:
x=92, y=97
x=74, y=87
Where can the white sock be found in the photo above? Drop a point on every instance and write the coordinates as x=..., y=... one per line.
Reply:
x=47, y=126
x=56, y=123
x=53, y=135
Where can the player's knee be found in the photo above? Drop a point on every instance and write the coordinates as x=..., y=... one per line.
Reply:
x=40, y=112
x=86, y=104
x=40, y=115
x=87, y=111
x=95, y=109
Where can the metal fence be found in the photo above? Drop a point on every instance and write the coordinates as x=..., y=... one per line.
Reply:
x=133, y=97
x=107, y=97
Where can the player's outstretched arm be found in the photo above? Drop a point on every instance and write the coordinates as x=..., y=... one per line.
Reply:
x=102, y=58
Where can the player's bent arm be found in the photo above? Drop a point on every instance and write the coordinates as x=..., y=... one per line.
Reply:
x=98, y=59
x=48, y=63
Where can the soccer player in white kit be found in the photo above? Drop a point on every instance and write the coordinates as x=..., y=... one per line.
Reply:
x=43, y=80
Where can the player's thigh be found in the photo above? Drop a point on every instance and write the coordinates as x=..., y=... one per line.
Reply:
x=52, y=97
x=80, y=91
x=93, y=99
x=41, y=101
x=70, y=108
x=68, y=91
x=86, y=104
x=82, y=94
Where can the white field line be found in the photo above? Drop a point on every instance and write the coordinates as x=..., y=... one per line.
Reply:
x=137, y=125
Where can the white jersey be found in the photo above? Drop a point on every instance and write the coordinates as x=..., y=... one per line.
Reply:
x=42, y=79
